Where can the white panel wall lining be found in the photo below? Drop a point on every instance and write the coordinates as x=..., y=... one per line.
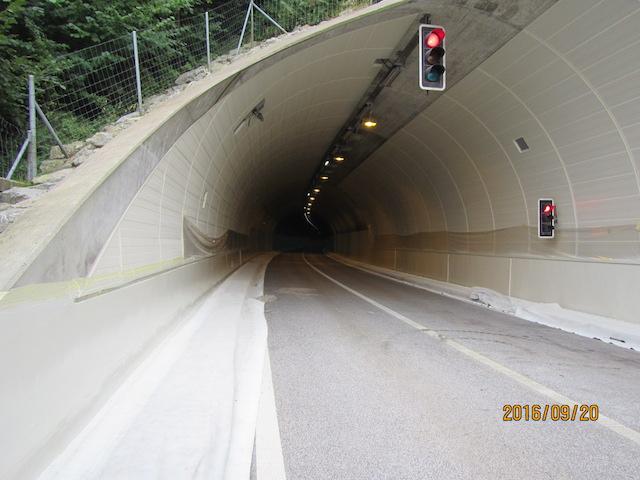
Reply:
x=224, y=181
x=452, y=183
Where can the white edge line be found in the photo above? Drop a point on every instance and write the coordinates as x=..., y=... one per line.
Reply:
x=603, y=420
x=349, y=264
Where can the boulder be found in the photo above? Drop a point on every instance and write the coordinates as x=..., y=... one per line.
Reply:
x=71, y=148
x=48, y=166
x=81, y=156
x=191, y=76
x=19, y=194
x=128, y=117
x=154, y=100
x=114, y=128
x=50, y=178
x=100, y=139
x=7, y=184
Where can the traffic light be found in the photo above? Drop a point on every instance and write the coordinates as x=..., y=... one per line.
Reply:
x=546, y=218
x=432, y=57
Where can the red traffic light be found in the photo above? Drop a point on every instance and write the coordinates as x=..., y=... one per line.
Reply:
x=432, y=71
x=546, y=218
x=435, y=37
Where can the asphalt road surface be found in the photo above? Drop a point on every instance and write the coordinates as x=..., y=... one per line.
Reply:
x=378, y=380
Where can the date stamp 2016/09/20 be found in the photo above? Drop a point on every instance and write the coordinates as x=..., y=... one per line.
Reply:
x=554, y=412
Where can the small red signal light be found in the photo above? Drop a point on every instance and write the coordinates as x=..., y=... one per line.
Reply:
x=547, y=209
x=434, y=39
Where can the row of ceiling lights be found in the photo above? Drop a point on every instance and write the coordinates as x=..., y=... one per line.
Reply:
x=364, y=117
x=368, y=122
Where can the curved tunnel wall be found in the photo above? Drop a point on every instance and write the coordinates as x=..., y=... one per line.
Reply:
x=224, y=174
x=450, y=196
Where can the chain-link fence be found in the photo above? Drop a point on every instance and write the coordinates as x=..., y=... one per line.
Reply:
x=91, y=88
x=12, y=137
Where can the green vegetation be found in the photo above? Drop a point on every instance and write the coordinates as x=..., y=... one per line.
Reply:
x=35, y=34
x=81, y=55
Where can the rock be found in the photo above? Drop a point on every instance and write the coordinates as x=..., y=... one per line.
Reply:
x=191, y=76
x=50, y=178
x=100, y=139
x=155, y=99
x=7, y=184
x=71, y=148
x=55, y=153
x=128, y=117
x=114, y=128
x=4, y=206
x=81, y=157
x=7, y=216
x=48, y=166
x=19, y=194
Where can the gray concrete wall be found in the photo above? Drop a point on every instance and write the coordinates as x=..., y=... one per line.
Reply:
x=61, y=355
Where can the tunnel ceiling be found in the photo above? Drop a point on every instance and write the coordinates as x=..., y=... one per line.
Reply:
x=475, y=30
x=310, y=95
x=455, y=167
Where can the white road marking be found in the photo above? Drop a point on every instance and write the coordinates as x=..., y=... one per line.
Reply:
x=603, y=420
x=269, y=459
x=407, y=282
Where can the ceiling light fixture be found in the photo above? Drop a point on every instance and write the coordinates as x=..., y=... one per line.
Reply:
x=369, y=120
x=324, y=178
x=339, y=158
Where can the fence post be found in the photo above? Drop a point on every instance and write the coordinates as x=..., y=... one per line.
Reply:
x=52, y=131
x=206, y=30
x=252, y=27
x=32, y=167
x=136, y=61
x=244, y=26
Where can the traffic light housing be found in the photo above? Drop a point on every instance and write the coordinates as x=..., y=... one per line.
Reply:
x=432, y=60
x=546, y=218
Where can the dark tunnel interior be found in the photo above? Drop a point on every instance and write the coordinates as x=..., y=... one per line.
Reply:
x=295, y=233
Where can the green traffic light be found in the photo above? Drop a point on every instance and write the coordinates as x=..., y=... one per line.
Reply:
x=435, y=73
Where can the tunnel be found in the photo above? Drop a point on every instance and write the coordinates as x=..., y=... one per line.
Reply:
x=295, y=233
x=269, y=153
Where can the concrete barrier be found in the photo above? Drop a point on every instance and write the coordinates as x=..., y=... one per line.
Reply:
x=61, y=357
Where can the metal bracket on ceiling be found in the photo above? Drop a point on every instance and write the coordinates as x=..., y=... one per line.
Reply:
x=255, y=112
